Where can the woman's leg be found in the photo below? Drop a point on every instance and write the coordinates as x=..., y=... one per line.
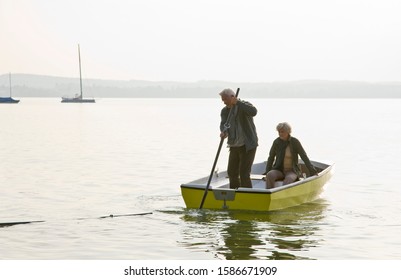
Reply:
x=290, y=177
x=272, y=176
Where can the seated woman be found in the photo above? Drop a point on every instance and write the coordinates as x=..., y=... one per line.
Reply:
x=284, y=153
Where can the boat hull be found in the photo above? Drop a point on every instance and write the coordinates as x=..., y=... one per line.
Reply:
x=257, y=198
x=8, y=100
x=77, y=100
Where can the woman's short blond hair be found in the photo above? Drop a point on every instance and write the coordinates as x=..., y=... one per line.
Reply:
x=284, y=126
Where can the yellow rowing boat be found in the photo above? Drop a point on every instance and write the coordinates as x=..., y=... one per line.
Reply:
x=257, y=198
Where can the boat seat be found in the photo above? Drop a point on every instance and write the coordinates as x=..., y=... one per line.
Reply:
x=261, y=184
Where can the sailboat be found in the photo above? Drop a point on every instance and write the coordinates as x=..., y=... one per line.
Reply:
x=8, y=99
x=79, y=98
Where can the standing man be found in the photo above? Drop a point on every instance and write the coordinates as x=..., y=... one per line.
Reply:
x=242, y=138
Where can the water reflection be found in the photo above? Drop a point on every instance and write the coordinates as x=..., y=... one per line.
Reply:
x=246, y=235
x=241, y=238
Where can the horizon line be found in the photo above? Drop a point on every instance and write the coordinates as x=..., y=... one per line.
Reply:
x=212, y=80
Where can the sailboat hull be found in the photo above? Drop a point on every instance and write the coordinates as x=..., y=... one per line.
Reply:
x=77, y=100
x=8, y=100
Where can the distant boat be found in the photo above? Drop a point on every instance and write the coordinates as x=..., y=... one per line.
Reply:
x=9, y=99
x=79, y=98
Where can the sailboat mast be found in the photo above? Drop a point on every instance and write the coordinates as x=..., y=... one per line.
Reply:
x=9, y=77
x=80, y=75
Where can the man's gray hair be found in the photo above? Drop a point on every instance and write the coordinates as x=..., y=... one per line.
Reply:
x=227, y=92
x=284, y=126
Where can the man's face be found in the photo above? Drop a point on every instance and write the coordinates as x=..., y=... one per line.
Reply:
x=227, y=99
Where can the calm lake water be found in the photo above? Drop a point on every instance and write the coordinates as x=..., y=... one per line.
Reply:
x=70, y=164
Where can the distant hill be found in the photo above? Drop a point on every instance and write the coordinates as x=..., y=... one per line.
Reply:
x=26, y=85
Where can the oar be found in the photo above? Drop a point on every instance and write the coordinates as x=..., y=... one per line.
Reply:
x=226, y=127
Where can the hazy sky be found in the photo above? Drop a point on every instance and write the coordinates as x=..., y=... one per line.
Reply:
x=183, y=40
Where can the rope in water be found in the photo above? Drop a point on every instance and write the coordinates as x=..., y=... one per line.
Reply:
x=8, y=224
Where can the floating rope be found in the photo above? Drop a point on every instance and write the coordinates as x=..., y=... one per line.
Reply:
x=125, y=215
x=9, y=224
